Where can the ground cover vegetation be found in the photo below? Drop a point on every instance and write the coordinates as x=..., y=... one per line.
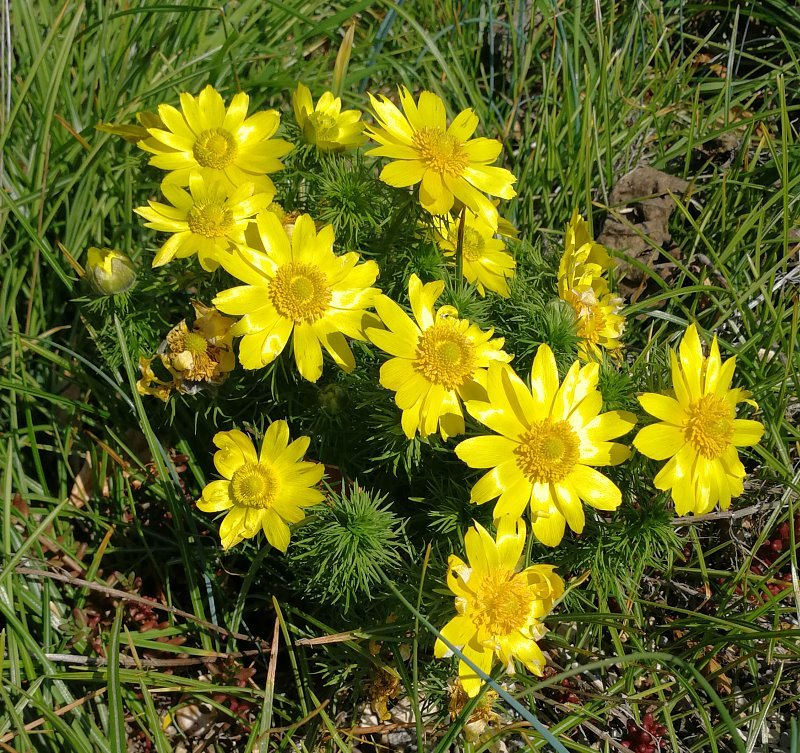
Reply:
x=416, y=377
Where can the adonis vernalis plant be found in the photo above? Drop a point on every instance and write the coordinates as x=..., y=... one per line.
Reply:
x=438, y=360
x=444, y=159
x=548, y=440
x=582, y=284
x=264, y=491
x=499, y=606
x=326, y=125
x=298, y=287
x=204, y=138
x=698, y=430
x=206, y=220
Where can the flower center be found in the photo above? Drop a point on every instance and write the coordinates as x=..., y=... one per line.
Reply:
x=710, y=426
x=215, y=148
x=300, y=292
x=325, y=126
x=591, y=323
x=503, y=603
x=473, y=244
x=548, y=451
x=210, y=220
x=255, y=485
x=440, y=152
x=444, y=355
x=195, y=343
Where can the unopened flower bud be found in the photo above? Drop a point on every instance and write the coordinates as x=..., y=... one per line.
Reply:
x=333, y=398
x=109, y=272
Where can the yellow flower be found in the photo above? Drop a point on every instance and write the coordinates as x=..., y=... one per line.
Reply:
x=582, y=285
x=499, y=608
x=584, y=261
x=204, y=354
x=550, y=437
x=325, y=125
x=698, y=430
x=438, y=362
x=299, y=288
x=225, y=144
x=206, y=220
x=264, y=491
x=600, y=325
x=485, y=264
x=443, y=159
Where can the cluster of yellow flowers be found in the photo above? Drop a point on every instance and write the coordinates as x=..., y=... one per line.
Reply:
x=547, y=439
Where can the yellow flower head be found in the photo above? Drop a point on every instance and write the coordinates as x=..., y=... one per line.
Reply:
x=550, y=437
x=204, y=353
x=484, y=261
x=584, y=261
x=438, y=361
x=698, y=430
x=264, y=491
x=224, y=144
x=443, y=159
x=298, y=287
x=325, y=125
x=206, y=220
x=499, y=607
x=581, y=283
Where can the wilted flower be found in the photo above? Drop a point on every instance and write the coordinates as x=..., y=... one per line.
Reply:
x=202, y=354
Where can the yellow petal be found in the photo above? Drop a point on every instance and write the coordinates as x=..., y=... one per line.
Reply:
x=510, y=540
x=501, y=421
x=746, y=432
x=495, y=482
x=485, y=452
x=549, y=529
x=570, y=506
x=458, y=632
x=216, y=497
x=307, y=352
x=482, y=658
x=594, y=488
x=659, y=441
x=403, y=173
x=276, y=530
x=275, y=441
x=664, y=408
x=464, y=125
x=544, y=376
x=422, y=297
x=610, y=425
x=231, y=529
x=514, y=499
x=235, y=449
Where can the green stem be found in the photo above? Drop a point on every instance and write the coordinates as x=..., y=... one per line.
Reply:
x=462, y=221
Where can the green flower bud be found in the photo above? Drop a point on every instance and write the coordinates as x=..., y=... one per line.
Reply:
x=332, y=398
x=109, y=272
